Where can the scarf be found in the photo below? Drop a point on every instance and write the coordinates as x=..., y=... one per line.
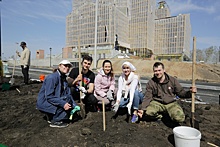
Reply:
x=126, y=83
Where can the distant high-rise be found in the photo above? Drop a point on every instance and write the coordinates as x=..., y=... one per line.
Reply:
x=142, y=26
x=136, y=26
x=112, y=20
x=172, y=34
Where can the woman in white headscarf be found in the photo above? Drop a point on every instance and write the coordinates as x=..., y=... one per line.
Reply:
x=129, y=91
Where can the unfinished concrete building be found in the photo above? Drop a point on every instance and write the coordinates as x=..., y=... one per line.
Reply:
x=172, y=35
x=134, y=26
x=142, y=26
x=112, y=21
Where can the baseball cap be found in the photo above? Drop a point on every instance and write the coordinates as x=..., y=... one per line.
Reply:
x=65, y=62
x=23, y=43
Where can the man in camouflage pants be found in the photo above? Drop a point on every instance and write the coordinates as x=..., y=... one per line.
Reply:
x=161, y=94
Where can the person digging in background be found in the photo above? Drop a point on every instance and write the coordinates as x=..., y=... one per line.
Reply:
x=55, y=99
x=105, y=84
x=87, y=78
x=24, y=61
x=161, y=95
x=129, y=91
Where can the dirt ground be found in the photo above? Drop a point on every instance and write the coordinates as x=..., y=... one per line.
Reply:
x=21, y=124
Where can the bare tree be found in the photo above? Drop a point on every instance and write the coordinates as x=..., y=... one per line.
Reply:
x=208, y=53
x=200, y=55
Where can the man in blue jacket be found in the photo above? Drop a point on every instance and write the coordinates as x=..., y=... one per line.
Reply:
x=54, y=98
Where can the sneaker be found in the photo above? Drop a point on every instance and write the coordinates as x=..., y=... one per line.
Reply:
x=134, y=119
x=58, y=124
x=47, y=118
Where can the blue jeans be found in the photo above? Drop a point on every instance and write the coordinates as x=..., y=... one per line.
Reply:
x=138, y=98
x=61, y=113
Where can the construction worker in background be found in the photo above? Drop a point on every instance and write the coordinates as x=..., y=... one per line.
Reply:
x=24, y=61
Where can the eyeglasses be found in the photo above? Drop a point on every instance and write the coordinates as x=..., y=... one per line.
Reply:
x=67, y=65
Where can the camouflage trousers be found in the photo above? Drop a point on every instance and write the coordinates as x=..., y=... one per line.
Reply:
x=155, y=109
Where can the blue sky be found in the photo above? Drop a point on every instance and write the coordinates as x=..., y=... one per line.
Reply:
x=41, y=23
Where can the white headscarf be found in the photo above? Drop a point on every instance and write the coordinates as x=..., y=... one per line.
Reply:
x=126, y=83
x=130, y=65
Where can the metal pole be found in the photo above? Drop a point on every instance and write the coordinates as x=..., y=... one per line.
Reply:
x=1, y=64
x=50, y=56
x=95, y=47
x=0, y=32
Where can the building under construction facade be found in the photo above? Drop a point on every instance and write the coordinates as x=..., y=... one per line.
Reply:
x=135, y=26
x=112, y=24
x=172, y=35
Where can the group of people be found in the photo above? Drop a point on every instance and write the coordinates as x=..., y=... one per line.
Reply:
x=60, y=92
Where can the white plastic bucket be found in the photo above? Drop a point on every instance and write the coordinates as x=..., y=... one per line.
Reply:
x=186, y=136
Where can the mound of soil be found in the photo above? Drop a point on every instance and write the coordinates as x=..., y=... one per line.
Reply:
x=181, y=70
x=21, y=124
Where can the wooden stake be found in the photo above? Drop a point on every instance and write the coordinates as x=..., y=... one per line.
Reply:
x=103, y=113
x=193, y=81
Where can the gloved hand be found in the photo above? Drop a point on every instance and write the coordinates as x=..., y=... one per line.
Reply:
x=110, y=95
x=25, y=66
x=82, y=89
x=115, y=107
x=129, y=107
x=83, y=96
x=76, y=108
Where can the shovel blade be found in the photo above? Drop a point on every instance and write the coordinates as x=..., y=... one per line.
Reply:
x=82, y=111
x=194, y=123
x=12, y=81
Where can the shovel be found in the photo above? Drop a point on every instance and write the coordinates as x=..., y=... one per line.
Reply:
x=12, y=80
x=194, y=122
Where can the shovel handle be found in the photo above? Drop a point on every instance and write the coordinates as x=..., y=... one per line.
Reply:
x=80, y=68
